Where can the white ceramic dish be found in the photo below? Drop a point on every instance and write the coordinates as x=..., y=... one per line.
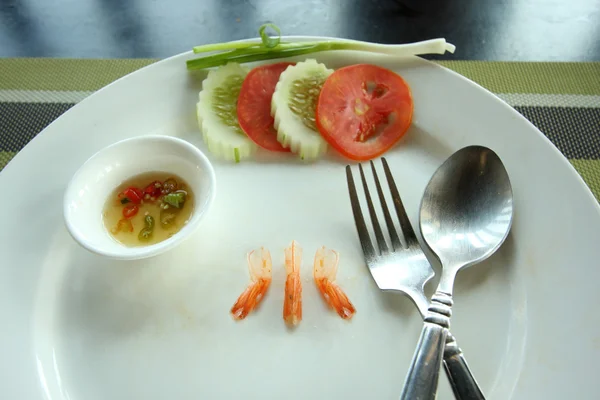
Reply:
x=86, y=194
x=80, y=326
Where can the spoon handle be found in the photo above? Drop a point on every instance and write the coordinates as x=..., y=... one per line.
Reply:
x=423, y=375
x=463, y=383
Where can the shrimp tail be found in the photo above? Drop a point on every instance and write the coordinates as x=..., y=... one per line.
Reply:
x=292, y=303
x=250, y=299
x=325, y=270
x=259, y=267
x=335, y=297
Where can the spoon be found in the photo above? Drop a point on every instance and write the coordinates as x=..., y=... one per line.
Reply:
x=466, y=214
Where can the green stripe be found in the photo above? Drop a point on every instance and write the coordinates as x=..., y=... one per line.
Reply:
x=64, y=74
x=531, y=77
x=498, y=77
x=588, y=169
x=5, y=157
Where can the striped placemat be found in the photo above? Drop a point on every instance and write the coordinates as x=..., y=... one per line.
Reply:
x=561, y=99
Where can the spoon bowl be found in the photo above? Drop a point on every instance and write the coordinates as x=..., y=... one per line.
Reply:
x=467, y=208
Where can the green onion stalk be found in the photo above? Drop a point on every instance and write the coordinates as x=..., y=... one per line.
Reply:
x=271, y=47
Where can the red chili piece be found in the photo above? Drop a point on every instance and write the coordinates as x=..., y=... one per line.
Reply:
x=134, y=195
x=130, y=211
x=153, y=189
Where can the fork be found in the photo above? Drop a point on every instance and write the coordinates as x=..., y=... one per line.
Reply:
x=403, y=267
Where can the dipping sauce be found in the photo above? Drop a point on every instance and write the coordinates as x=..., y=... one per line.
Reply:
x=148, y=208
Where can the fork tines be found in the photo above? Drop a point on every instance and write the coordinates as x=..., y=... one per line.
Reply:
x=406, y=228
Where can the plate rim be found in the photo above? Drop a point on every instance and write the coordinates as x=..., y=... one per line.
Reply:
x=188, y=53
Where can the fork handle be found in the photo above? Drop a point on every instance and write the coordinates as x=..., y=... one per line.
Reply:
x=463, y=383
x=423, y=375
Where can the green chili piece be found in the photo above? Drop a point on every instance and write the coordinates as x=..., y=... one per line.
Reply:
x=167, y=217
x=146, y=232
x=175, y=199
x=149, y=221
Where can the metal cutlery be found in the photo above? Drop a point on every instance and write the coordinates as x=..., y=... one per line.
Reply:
x=403, y=267
x=466, y=214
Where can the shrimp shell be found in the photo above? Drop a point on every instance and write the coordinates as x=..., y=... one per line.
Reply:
x=324, y=272
x=259, y=266
x=292, y=303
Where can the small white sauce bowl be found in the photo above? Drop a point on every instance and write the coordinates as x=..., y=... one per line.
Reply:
x=90, y=187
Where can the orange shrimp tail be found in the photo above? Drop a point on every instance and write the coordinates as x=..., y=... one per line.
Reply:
x=292, y=303
x=250, y=299
x=336, y=298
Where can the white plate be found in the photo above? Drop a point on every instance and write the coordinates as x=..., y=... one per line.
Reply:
x=78, y=326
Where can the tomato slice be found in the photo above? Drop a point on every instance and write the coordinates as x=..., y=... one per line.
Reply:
x=254, y=105
x=363, y=110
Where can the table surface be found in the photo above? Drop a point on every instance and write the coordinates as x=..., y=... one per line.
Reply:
x=45, y=47
x=501, y=30
x=562, y=99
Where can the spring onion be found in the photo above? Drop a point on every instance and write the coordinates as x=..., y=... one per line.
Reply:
x=270, y=48
x=268, y=41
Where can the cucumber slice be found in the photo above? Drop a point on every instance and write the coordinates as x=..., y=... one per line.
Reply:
x=293, y=107
x=217, y=113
